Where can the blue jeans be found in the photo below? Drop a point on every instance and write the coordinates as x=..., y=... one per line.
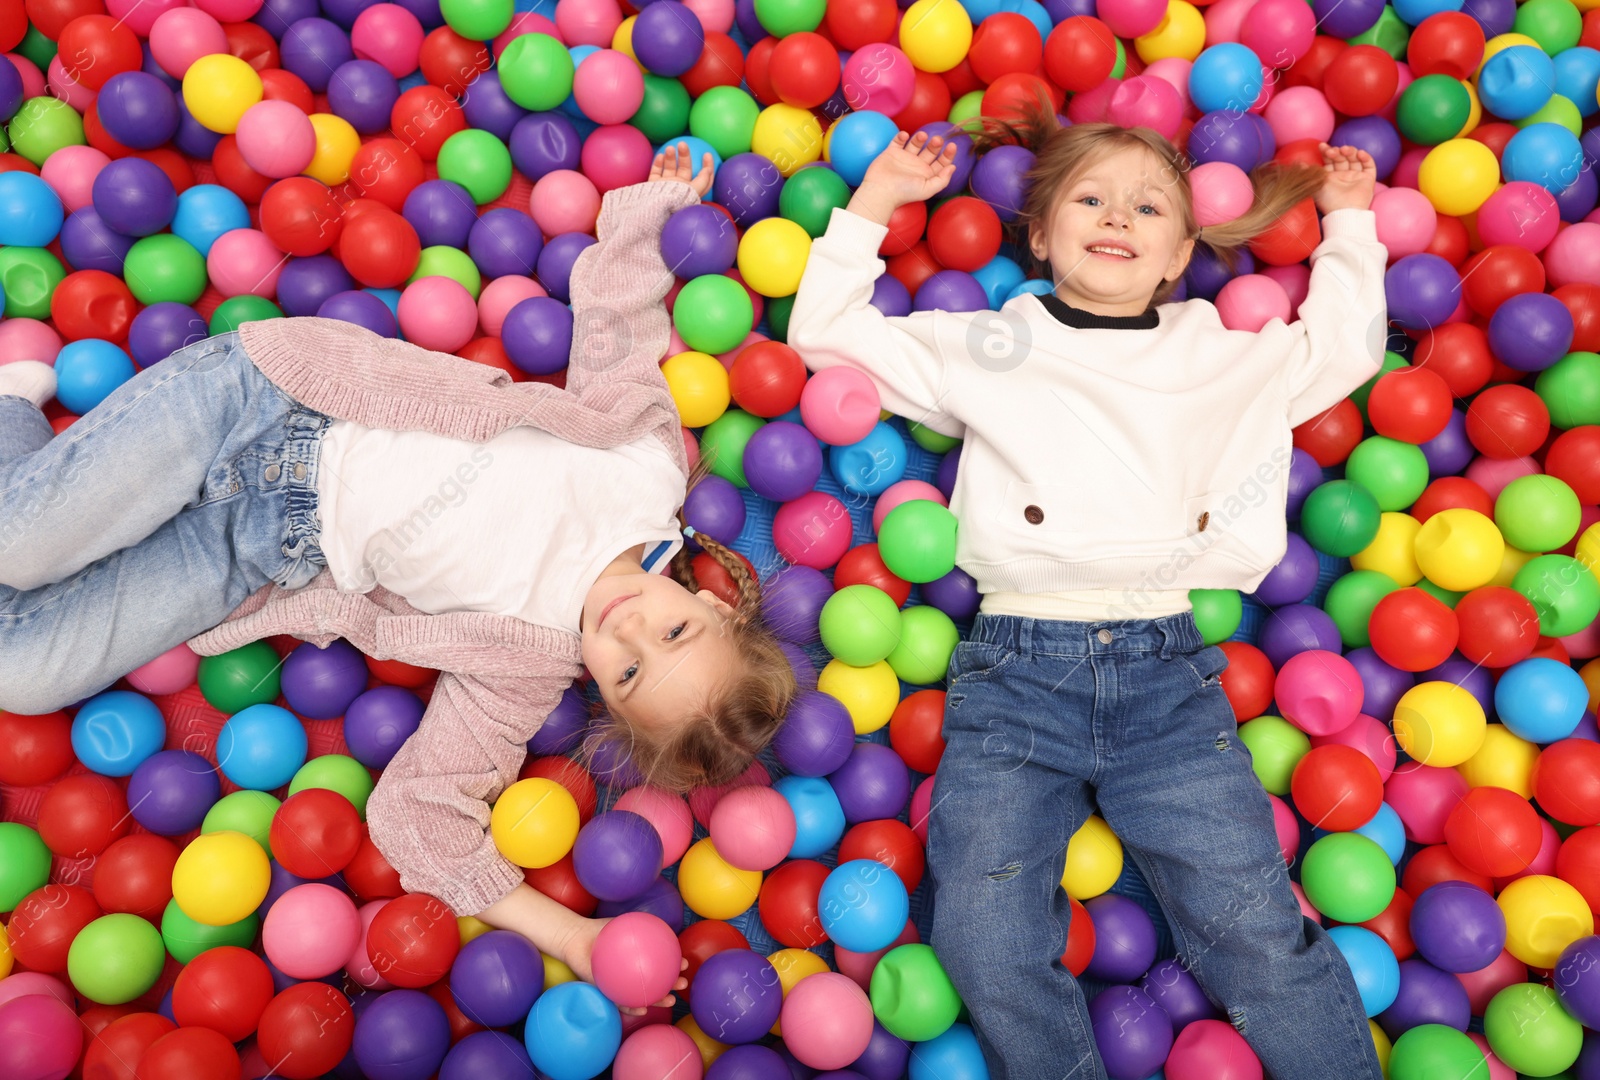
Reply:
x=148, y=520
x=1041, y=713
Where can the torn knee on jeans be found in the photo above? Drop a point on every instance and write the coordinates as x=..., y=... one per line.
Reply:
x=1004, y=873
x=1236, y=1018
x=1222, y=741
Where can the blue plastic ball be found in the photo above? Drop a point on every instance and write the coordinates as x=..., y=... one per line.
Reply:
x=1226, y=76
x=115, y=731
x=205, y=212
x=1412, y=12
x=1001, y=279
x=1540, y=700
x=261, y=747
x=863, y=905
x=1386, y=830
x=1577, y=76
x=1543, y=154
x=818, y=816
x=1373, y=964
x=87, y=371
x=1516, y=82
x=858, y=138
x=573, y=1032
x=871, y=465
x=953, y=1055
x=698, y=149
x=30, y=211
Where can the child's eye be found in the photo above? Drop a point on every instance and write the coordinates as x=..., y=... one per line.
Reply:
x=1090, y=200
x=677, y=630
x=633, y=669
x=1148, y=211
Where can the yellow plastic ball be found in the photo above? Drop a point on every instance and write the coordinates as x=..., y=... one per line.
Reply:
x=1380, y=1043
x=699, y=385
x=470, y=926
x=710, y=1049
x=220, y=878
x=534, y=822
x=556, y=971
x=788, y=136
x=1392, y=551
x=1180, y=33
x=1458, y=175
x=337, y=143
x=935, y=35
x=6, y=959
x=622, y=40
x=1474, y=111
x=1511, y=561
x=712, y=888
x=1543, y=916
x=1588, y=548
x=792, y=965
x=1501, y=41
x=1094, y=860
x=870, y=694
x=1590, y=674
x=772, y=256
x=1504, y=760
x=1459, y=549
x=1439, y=723
x=217, y=89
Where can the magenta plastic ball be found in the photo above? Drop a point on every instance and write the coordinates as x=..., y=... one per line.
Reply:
x=616, y=155
x=840, y=405
x=635, y=959
x=1145, y=101
x=1249, y=302
x=1133, y=1036
x=880, y=78
x=1215, y=1050
x=40, y=1038
x=617, y=855
x=817, y=737
x=1318, y=691
x=608, y=86
x=782, y=461
x=1222, y=192
x=1457, y=926
x=813, y=530
x=243, y=262
x=321, y=683
x=1124, y=939
x=438, y=313
x=389, y=35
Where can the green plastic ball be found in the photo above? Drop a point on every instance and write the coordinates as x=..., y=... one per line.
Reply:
x=723, y=441
x=1558, y=110
x=1276, y=747
x=809, y=197
x=1448, y=597
x=248, y=812
x=477, y=161
x=778, y=309
x=930, y=440
x=1555, y=24
x=1350, y=601
x=1436, y=1052
x=713, y=313
x=1217, y=613
x=441, y=260
x=1390, y=33
x=1347, y=877
x=44, y=125
x=1570, y=389
x=165, y=267
x=860, y=625
x=725, y=117
x=1529, y=1029
x=477, y=20
x=927, y=639
x=912, y=997
x=536, y=72
x=115, y=959
x=918, y=541
x=249, y=675
x=1562, y=590
x=1393, y=472
x=28, y=277
x=781, y=18
x=968, y=106
x=336, y=772
x=1340, y=518
x=1391, y=362
x=235, y=311
x=1537, y=513
x=1433, y=109
x=24, y=863
x=664, y=112
x=38, y=48
x=186, y=939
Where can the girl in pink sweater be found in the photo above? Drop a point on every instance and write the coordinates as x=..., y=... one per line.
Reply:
x=308, y=477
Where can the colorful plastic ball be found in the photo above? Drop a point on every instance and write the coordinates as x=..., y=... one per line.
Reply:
x=225, y=989
x=813, y=530
x=25, y=866
x=860, y=625
x=827, y=1020
x=1439, y=723
x=1458, y=176
x=1516, y=82
x=306, y=1030
x=1132, y=1035
x=1544, y=915
x=617, y=855
x=534, y=822
x=1347, y=877
x=276, y=139
x=1540, y=699
x=1459, y=549
x=863, y=905
x=311, y=931
x=1372, y=962
x=220, y=878
x=1457, y=926
x=712, y=314
x=378, y=723
x=115, y=959
x=1319, y=692
x=44, y=923
x=1413, y=631
x=401, y=1035
x=261, y=747
x=114, y=731
x=170, y=792
x=497, y=976
x=1227, y=75
x=753, y=828
x=30, y=212
x=218, y=89
x=1537, y=513
x=135, y=197
x=315, y=833
x=1567, y=599
x=1564, y=781
x=1528, y=1031
x=1493, y=831
x=573, y=1032
x=42, y=1038
x=1336, y=787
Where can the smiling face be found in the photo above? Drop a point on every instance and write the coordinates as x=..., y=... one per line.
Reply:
x=1116, y=231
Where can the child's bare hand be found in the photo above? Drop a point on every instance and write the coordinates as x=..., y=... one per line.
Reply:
x=674, y=163
x=579, y=949
x=912, y=168
x=1351, y=176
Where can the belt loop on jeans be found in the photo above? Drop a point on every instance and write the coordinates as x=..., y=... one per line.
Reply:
x=1167, y=636
x=1025, y=636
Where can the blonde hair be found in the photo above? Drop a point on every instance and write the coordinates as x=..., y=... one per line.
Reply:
x=1062, y=153
x=737, y=719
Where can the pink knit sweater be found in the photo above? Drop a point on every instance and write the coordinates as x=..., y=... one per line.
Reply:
x=500, y=676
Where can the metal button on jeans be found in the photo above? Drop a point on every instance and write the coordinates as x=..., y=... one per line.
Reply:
x=1104, y=636
x=271, y=474
x=300, y=470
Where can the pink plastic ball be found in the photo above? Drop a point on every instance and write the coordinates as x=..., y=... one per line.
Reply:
x=858, y=966
x=1318, y=692
x=652, y=1015
x=608, y=86
x=438, y=313
x=827, y=1020
x=1296, y=282
x=1369, y=735
x=358, y=965
x=921, y=806
x=527, y=22
x=1391, y=110
x=1250, y=302
x=691, y=447
x=311, y=931
x=1306, y=907
x=174, y=670
x=1211, y=1049
x=588, y=22
x=500, y=296
x=813, y=530
x=27, y=983
x=636, y=959
x=1131, y=18
x=1520, y=213
x=389, y=35
x=564, y=201
x=33, y=83
x=753, y=828
x=1543, y=863
x=1287, y=827
x=276, y=139
x=1493, y=474
x=840, y=405
x=70, y=172
x=67, y=88
x=1498, y=1070
x=229, y=10
x=140, y=15
x=1407, y=220
x=1143, y=101
x=28, y=339
x=1225, y=20
x=1482, y=985
x=1574, y=255
x=703, y=800
x=1585, y=644
x=904, y=491
x=668, y=813
x=727, y=358
x=713, y=14
x=1222, y=192
x=1175, y=71
x=182, y=36
x=40, y=1038
x=1423, y=796
x=878, y=77
x=656, y=1051
x=1410, y=168
x=616, y=155
x=1279, y=31
x=244, y=262
x=1299, y=112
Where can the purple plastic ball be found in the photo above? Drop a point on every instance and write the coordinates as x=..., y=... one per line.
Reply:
x=1475, y=679
x=716, y=508
x=192, y=138
x=321, y=683
x=747, y=23
x=736, y=997
x=487, y=107
x=1124, y=939
x=1382, y=684
x=1293, y=579
x=162, y=329
x=617, y=855
x=951, y=290
x=537, y=335
x=1495, y=16
x=1264, y=135
x=563, y=728
x=134, y=197
x=1422, y=290
x=782, y=461
x=344, y=12
x=1065, y=9
x=496, y=978
x=661, y=899
x=442, y=212
x=611, y=764
x=872, y=784
x=362, y=309
x=171, y=790
x=426, y=11
x=1000, y=179
x=805, y=672
x=698, y=240
x=377, y=724
x=1457, y=927
x=1578, y=198
x=1207, y=273
x=487, y=1055
x=304, y=285
x=276, y=16
x=156, y=72
x=889, y=296
x=1577, y=980
x=1304, y=476
x=1376, y=136
x=1132, y=1035
x=669, y=39
x=555, y=262
x=314, y=49
x=403, y=1035
x=363, y=92
x=748, y=1062
x=961, y=170
x=792, y=600
x=1427, y=996
x=138, y=110
x=956, y=594
x=1450, y=451
x=90, y=244
x=885, y=1057
x=817, y=735
x=544, y=142
x=10, y=91
x=945, y=480
x=1171, y=986
x=1295, y=629
x=1227, y=136
x=1346, y=18
x=1530, y=331
x=505, y=242
x=748, y=185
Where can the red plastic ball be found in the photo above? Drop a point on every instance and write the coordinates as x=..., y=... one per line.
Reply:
x=174, y=164
x=1566, y=781
x=964, y=233
x=1003, y=43
x=861, y=22
x=44, y=923
x=709, y=574
x=400, y=673
x=889, y=842
x=369, y=874
x=1494, y=136
x=1451, y=492
x=1446, y=43
x=1393, y=925
x=804, y=70
x=767, y=378
x=378, y=247
x=721, y=63
x=1080, y=938
x=758, y=71
x=95, y=133
x=916, y=730
x=1493, y=831
x=930, y=101
x=1411, y=404
x=450, y=61
x=1291, y=238
x=134, y=875
x=190, y=1053
x=280, y=85
x=1311, y=69
x=301, y=216
x=93, y=304
x=559, y=881
x=1336, y=787
x=93, y=48
x=570, y=775
x=315, y=833
x=461, y=1025
x=1499, y=626
x=863, y=565
x=1413, y=631
x=306, y=1030
x=252, y=44
x=37, y=748
x=1590, y=34
x=1247, y=680
x=1361, y=80
x=1582, y=301
x=1436, y=863
x=13, y=26
x=1507, y=421
x=1496, y=274
x=225, y=989
x=1578, y=863
x=80, y=815
x=788, y=903
x=906, y=226
x=961, y=80
x=1016, y=95
x=701, y=941
x=1080, y=53
x=1574, y=459
x=413, y=941
x=235, y=174
x=1331, y=435
x=1450, y=241
x=115, y=1051
x=386, y=171
x=1459, y=354
x=424, y=117
x=50, y=17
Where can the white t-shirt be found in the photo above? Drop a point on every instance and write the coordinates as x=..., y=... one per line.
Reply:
x=521, y=525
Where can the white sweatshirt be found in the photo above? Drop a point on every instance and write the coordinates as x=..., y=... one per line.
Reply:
x=1138, y=461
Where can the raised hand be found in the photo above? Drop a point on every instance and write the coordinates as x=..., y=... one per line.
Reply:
x=912, y=168
x=1351, y=176
x=673, y=163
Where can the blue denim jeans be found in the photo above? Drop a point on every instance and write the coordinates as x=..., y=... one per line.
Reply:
x=1042, y=714
x=148, y=520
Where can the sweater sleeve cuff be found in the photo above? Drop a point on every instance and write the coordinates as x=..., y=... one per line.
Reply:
x=670, y=195
x=484, y=890
x=855, y=231
x=1350, y=224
